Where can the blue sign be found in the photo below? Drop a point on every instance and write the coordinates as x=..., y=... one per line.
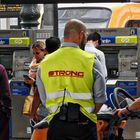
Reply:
x=20, y=91
x=132, y=91
x=17, y=83
x=129, y=86
x=4, y=41
x=109, y=91
x=19, y=88
x=127, y=83
x=108, y=39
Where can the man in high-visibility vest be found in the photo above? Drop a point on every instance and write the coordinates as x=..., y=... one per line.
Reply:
x=73, y=82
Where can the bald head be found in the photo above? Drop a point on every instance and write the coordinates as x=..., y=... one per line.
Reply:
x=73, y=27
x=75, y=31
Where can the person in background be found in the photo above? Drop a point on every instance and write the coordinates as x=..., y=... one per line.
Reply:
x=51, y=45
x=74, y=85
x=39, y=51
x=5, y=104
x=93, y=42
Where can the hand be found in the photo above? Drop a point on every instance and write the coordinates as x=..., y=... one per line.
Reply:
x=34, y=117
x=28, y=81
x=121, y=112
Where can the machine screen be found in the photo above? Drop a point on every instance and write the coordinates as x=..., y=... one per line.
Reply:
x=112, y=64
x=7, y=61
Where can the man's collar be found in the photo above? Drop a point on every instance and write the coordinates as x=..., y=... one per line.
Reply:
x=69, y=44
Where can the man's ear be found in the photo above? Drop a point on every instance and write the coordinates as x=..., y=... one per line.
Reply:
x=81, y=35
x=96, y=43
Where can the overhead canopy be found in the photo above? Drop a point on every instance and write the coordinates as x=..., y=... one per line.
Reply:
x=57, y=1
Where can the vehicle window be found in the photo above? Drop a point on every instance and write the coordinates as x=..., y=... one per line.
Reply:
x=133, y=23
x=93, y=17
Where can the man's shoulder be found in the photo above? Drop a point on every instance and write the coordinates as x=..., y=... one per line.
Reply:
x=1, y=66
x=99, y=51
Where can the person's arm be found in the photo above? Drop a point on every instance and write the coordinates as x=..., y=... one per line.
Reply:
x=35, y=105
x=99, y=88
x=134, y=106
x=103, y=62
x=98, y=107
x=41, y=89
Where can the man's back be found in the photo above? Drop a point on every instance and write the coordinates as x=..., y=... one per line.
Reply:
x=94, y=40
x=99, y=54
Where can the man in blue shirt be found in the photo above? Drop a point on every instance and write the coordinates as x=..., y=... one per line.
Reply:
x=94, y=41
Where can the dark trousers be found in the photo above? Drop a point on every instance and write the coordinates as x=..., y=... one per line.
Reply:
x=64, y=130
x=4, y=127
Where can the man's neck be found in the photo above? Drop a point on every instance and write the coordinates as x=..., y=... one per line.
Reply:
x=70, y=40
x=92, y=43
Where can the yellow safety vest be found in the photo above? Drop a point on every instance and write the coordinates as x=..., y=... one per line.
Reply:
x=71, y=69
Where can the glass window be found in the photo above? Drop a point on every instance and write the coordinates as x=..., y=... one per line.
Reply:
x=3, y=23
x=94, y=17
x=14, y=21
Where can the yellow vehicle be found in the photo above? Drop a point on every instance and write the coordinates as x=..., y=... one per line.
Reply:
x=125, y=15
x=100, y=15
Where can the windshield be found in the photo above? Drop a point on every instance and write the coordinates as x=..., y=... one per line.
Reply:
x=93, y=17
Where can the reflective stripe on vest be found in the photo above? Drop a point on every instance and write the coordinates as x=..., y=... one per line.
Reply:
x=54, y=109
x=58, y=97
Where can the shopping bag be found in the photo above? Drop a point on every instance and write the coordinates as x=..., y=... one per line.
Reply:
x=27, y=106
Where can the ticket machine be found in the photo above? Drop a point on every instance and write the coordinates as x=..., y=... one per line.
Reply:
x=121, y=52
x=120, y=47
x=16, y=55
